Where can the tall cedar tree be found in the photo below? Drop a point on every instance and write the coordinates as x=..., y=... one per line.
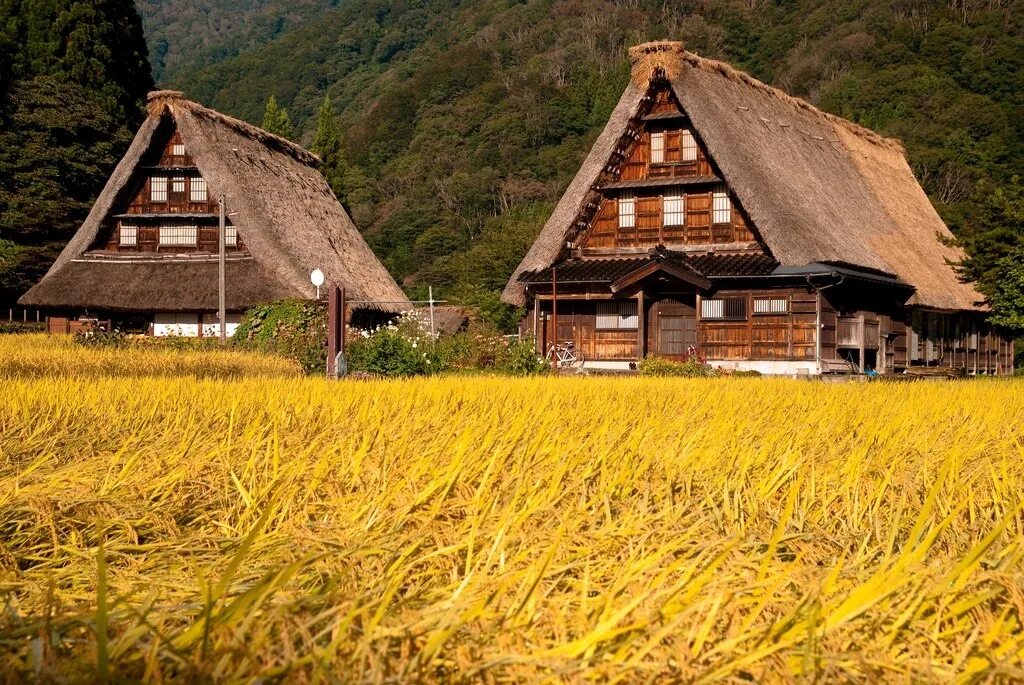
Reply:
x=276, y=120
x=329, y=145
x=79, y=75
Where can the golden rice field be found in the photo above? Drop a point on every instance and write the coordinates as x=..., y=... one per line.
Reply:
x=167, y=527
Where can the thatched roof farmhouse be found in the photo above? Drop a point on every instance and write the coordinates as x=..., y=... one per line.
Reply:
x=149, y=246
x=816, y=241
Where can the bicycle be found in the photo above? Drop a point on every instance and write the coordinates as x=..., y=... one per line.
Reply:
x=565, y=355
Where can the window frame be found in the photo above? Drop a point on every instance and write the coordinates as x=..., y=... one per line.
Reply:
x=725, y=315
x=679, y=212
x=134, y=233
x=624, y=311
x=158, y=184
x=660, y=136
x=630, y=200
x=770, y=311
x=688, y=145
x=721, y=193
x=198, y=183
x=179, y=241
x=231, y=236
x=175, y=147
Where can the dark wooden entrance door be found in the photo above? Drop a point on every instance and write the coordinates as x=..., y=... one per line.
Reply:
x=676, y=329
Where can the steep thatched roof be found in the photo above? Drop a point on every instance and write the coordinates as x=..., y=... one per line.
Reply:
x=817, y=187
x=286, y=214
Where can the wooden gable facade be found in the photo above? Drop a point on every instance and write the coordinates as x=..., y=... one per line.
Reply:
x=659, y=257
x=170, y=206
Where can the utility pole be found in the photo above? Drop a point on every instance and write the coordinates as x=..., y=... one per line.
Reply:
x=221, y=298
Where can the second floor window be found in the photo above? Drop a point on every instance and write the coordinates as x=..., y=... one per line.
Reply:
x=674, y=209
x=722, y=208
x=230, y=236
x=627, y=210
x=158, y=189
x=687, y=147
x=178, y=184
x=771, y=305
x=658, y=147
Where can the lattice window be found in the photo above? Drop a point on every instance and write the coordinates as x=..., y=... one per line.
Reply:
x=197, y=189
x=687, y=147
x=724, y=309
x=674, y=209
x=627, y=210
x=158, y=189
x=178, y=150
x=231, y=236
x=178, y=184
x=178, y=235
x=771, y=305
x=658, y=147
x=721, y=206
x=128, y=236
x=617, y=315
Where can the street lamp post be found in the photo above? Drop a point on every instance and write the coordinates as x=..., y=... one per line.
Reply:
x=221, y=275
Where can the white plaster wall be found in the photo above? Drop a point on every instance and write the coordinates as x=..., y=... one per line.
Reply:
x=770, y=368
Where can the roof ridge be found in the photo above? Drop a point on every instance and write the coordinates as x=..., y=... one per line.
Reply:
x=649, y=58
x=158, y=101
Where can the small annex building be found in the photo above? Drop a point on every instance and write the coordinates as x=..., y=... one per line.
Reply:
x=147, y=256
x=720, y=217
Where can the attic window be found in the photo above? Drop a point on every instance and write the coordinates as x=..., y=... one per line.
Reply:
x=674, y=209
x=197, y=191
x=687, y=147
x=658, y=147
x=158, y=189
x=178, y=150
x=231, y=236
x=128, y=236
x=627, y=210
x=721, y=207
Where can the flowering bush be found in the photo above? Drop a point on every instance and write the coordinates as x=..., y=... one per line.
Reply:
x=691, y=368
x=402, y=348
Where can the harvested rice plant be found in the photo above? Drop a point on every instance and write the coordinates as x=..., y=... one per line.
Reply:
x=163, y=526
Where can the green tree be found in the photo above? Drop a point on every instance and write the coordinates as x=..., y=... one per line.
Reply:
x=329, y=145
x=75, y=79
x=1007, y=292
x=276, y=120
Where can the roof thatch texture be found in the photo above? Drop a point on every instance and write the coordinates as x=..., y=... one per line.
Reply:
x=286, y=214
x=817, y=187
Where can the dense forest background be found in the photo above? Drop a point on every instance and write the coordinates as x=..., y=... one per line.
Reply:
x=454, y=126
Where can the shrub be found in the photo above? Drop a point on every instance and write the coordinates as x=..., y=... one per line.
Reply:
x=17, y=327
x=296, y=329
x=523, y=360
x=691, y=368
x=399, y=349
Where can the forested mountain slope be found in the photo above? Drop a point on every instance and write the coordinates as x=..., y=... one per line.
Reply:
x=464, y=121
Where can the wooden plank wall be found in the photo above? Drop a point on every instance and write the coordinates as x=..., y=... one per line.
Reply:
x=761, y=337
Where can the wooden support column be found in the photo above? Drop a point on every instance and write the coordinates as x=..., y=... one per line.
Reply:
x=536, y=325
x=641, y=320
x=863, y=347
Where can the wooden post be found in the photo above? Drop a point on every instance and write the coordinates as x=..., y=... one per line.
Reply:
x=335, y=327
x=536, y=325
x=221, y=275
x=641, y=339
x=863, y=347
x=554, y=318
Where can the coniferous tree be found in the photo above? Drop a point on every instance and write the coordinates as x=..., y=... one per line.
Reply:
x=276, y=120
x=329, y=145
x=75, y=79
